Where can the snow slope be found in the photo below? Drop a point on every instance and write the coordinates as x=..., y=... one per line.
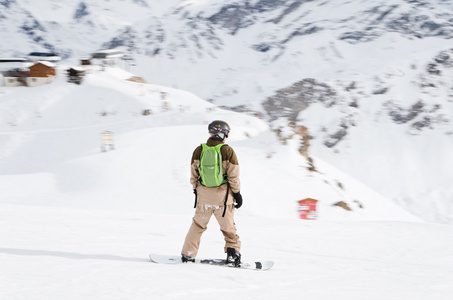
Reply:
x=62, y=253
x=380, y=60
x=54, y=133
x=77, y=223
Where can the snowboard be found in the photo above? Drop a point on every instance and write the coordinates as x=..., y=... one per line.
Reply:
x=172, y=259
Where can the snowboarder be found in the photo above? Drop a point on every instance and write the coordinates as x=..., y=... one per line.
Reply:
x=210, y=199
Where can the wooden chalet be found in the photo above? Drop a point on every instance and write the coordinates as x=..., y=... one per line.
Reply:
x=39, y=73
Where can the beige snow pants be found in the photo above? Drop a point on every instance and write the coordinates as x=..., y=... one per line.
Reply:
x=203, y=214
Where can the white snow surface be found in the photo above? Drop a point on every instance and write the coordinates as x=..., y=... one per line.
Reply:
x=78, y=223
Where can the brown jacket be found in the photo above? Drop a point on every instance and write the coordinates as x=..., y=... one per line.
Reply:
x=216, y=195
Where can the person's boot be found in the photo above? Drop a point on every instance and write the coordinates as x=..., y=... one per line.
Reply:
x=233, y=257
x=185, y=258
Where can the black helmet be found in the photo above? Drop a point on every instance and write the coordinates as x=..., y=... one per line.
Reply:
x=220, y=129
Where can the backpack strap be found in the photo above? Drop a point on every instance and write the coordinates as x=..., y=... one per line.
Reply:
x=225, y=176
x=226, y=199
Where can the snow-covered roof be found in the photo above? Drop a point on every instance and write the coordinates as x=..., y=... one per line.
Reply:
x=46, y=63
x=108, y=53
x=77, y=68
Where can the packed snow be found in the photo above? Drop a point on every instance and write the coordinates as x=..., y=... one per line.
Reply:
x=79, y=223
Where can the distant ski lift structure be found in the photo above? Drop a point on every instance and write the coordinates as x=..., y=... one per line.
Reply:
x=107, y=141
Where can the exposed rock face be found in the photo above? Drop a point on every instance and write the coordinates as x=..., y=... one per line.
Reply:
x=288, y=102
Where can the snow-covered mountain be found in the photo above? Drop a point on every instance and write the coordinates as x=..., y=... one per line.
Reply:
x=78, y=223
x=370, y=80
x=51, y=137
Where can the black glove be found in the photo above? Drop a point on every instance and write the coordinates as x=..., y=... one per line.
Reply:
x=238, y=199
x=195, y=192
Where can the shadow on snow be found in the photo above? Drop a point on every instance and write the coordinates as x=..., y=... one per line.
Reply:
x=70, y=255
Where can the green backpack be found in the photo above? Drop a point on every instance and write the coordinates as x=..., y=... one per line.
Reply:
x=211, y=166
